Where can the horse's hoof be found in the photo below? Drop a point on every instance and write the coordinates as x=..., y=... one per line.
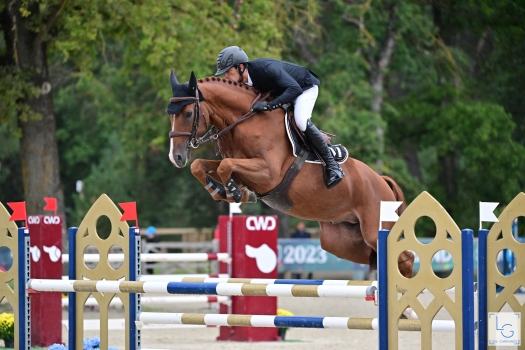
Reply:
x=237, y=196
x=235, y=192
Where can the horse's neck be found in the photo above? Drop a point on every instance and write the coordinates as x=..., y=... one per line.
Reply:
x=227, y=103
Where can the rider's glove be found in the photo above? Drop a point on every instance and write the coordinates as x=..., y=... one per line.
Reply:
x=261, y=106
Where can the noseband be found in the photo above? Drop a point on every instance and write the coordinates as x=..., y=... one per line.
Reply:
x=195, y=142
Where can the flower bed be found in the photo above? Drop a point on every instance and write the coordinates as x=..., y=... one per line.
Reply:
x=7, y=328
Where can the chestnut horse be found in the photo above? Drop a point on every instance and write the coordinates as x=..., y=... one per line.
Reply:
x=257, y=154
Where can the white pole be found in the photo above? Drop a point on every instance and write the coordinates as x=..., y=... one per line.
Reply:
x=158, y=257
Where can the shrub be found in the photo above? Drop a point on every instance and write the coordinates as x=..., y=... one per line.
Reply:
x=7, y=326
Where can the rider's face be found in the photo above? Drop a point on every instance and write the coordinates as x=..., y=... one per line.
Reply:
x=232, y=74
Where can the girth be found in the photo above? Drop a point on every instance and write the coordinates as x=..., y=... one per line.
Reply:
x=278, y=198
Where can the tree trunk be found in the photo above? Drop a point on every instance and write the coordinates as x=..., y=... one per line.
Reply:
x=412, y=161
x=449, y=178
x=377, y=76
x=38, y=145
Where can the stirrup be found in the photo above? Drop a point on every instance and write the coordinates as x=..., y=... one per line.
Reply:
x=326, y=178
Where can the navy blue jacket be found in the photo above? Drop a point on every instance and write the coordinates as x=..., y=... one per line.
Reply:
x=286, y=80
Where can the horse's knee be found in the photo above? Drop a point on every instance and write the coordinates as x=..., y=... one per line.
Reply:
x=197, y=168
x=225, y=169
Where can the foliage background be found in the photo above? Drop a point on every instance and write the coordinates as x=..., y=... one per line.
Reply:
x=428, y=92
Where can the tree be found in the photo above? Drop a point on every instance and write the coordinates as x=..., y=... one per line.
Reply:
x=155, y=37
x=429, y=75
x=28, y=96
x=460, y=144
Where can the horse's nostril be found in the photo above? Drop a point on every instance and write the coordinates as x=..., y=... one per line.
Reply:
x=179, y=159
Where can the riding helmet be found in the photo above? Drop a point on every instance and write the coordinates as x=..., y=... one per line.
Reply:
x=230, y=57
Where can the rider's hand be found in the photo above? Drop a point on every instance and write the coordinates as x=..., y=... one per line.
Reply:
x=260, y=106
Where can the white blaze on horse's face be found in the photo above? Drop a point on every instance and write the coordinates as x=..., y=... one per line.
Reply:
x=179, y=153
x=171, y=141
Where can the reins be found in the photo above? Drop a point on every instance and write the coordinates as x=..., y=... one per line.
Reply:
x=209, y=135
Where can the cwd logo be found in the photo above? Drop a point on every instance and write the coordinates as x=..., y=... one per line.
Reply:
x=51, y=220
x=33, y=220
x=261, y=223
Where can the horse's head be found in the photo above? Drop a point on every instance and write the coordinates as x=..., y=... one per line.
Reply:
x=187, y=120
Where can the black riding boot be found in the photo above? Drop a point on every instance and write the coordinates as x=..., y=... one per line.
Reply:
x=333, y=172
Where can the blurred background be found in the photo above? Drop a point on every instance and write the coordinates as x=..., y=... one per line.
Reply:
x=430, y=93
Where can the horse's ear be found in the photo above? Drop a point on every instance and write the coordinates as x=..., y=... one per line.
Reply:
x=173, y=80
x=193, y=82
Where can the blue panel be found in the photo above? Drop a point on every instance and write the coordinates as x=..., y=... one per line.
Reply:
x=24, y=314
x=382, y=276
x=306, y=255
x=134, y=272
x=467, y=253
x=292, y=281
x=299, y=321
x=482, y=289
x=192, y=288
x=72, y=314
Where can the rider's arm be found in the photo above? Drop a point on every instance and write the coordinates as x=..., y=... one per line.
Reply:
x=281, y=79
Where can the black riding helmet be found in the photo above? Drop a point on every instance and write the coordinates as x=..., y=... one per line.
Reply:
x=230, y=57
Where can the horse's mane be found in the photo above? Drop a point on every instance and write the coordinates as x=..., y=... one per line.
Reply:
x=229, y=83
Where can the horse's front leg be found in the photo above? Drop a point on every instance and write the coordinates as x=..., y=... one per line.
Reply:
x=206, y=172
x=255, y=170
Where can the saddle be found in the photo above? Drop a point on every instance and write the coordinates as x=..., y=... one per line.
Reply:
x=300, y=143
x=278, y=197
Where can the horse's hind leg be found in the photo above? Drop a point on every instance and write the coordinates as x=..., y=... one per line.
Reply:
x=405, y=262
x=369, y=229
x=345, y=241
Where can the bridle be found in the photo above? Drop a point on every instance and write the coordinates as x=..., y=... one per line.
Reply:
x=193, y=142
x=211, y=134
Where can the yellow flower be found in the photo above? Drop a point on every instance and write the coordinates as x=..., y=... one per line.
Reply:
x=283, y=312
x=7, y=326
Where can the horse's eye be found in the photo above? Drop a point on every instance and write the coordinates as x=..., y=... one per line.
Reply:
x=188, y=114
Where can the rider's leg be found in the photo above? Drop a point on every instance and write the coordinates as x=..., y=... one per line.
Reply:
x=334, y=174
x=304, y=104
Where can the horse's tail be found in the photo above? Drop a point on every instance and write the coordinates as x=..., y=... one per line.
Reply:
x=400, y=197
x=398, y=193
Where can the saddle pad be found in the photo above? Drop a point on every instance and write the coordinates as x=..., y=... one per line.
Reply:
x=338, y=151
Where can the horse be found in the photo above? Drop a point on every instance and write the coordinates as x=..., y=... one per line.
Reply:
x=256, y=155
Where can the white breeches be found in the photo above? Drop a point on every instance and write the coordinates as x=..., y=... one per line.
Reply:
x=304, y=105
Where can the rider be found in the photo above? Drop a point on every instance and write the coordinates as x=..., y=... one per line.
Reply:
x=291, y=83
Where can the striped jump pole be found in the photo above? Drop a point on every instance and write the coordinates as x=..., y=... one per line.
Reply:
x=225, y=279
x=149, y=318
x=204, y=279
x=162, y=300
x=229, y=289
x=170, y=278
x=158, y=257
